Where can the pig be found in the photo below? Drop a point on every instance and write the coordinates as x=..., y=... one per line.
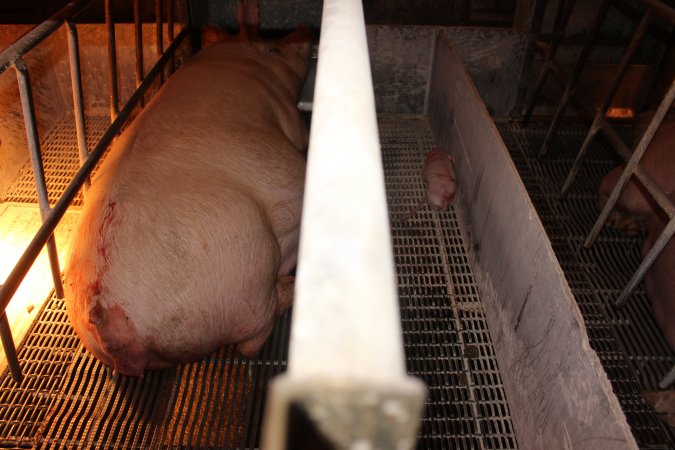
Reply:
x=635, y=205
x=439, y=175
x=635, y=212
x=189, y=233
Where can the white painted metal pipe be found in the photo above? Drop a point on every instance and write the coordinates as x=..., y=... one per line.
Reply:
x=346, y=368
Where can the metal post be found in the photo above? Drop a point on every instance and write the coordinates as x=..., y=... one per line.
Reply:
x=633, y=168
x=562, y=17
x=159, y=34
x=169, y=17
x=112, y=61
x=574, y=78
x=10, y=349
x=138, y=43
x=78, y=105
x=350, y=370
x=604, y=106
x=38, y=169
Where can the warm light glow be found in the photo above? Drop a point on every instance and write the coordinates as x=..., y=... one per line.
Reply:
x=18, y=224
x=620, y=113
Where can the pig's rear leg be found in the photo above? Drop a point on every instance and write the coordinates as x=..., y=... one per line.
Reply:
x=282, y=297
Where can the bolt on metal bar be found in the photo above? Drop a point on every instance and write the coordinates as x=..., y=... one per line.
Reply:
x=138, y=44
x=159, y=34
x=638, y=36
x=9, y=347
x=562, y=17
x=112, y=61
x=574, y=78
x=633, y=168
x=38, y=168
x=78, y=104
x=42, y=236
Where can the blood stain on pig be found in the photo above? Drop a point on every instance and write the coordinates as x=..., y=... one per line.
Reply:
x=105, y=224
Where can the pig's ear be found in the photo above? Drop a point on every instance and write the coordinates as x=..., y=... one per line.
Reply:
x=211, y=35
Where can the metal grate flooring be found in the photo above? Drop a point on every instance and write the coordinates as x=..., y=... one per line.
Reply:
x=69, y=400
x=632, y=350
x=60, y=160
x=446, y=337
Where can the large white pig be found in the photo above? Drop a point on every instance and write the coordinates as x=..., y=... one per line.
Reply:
x=190, y=229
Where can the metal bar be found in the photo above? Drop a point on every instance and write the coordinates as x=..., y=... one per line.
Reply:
x=169, y=31
x=668, y=379
x=647, y=262
x=41, y=237
x=660, y=9
x=112, y=61
x=558, y=33
x=38, y=169
x=10, y=348
x=28, y=41
x=574, y=78
x=604, y=106
x=78, y=104
x=632, y=167
x=159, y=34
x=138, y=44
x=345, y=266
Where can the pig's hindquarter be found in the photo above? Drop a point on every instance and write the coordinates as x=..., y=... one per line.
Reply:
x=198, y=227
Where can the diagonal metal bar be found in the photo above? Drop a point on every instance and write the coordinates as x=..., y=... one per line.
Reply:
x=30, y=123
x=638, y=36
x=574, y=78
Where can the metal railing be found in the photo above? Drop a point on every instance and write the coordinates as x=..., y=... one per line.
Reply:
x=12, y=56
x=652, y=9
x=346, y=369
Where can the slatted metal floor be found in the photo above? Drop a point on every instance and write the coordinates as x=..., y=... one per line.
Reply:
x=69, y=400
x=628, y=341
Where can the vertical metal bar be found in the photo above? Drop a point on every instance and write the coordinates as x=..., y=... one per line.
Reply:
x=647, y=262
x=632, y=165
x=78, y=104
x=159, y=35
x=38, y=169
x=574, y=78
x=112, y=61
x=10, y=349
x=558, y=33
x=138, y=43
x=604, y=106
x=169, y=17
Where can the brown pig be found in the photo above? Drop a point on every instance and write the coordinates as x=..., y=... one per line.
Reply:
x=635, y=211
x=190, y=229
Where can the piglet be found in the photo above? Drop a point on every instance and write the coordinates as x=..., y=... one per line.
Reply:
x=439, y=175
x=189, y=233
